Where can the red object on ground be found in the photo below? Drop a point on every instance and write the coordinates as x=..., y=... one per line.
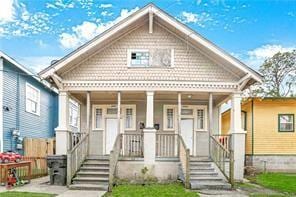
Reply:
x=10, y=157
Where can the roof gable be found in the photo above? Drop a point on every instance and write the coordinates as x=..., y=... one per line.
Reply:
x=193, y=38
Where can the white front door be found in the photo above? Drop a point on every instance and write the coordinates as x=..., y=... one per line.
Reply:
x=111, y=133
x=187, y=133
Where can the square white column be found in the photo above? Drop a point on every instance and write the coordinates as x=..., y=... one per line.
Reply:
x=62, y=135
x=149, y=131
x=238, y=136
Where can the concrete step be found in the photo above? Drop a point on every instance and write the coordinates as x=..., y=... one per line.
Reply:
x=200, y=164
x=200, y=167
x=97, y=157
x=202, y=170
x=95, y=165
x=215, y=185
x=96, y=161
x=205, y=178
x=205, y=173
x=95, y=168
x=90, y=180
x=98, y=187
x=92, y=174
x=202, y=159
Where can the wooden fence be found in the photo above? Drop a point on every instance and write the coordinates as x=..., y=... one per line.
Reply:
x=39, y=147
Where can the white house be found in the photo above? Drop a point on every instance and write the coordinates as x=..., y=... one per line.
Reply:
x=150, y=88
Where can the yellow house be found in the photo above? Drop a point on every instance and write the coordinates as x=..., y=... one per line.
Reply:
x=271, y=136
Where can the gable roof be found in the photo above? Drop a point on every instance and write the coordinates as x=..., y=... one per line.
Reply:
x=25, y=70
x=207, y=47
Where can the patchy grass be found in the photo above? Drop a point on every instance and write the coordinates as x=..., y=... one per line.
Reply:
x=282, y=182
x=24, y=194
x=159, y=190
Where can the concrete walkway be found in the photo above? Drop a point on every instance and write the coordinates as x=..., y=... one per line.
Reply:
x=222, y=193
x=41, y=185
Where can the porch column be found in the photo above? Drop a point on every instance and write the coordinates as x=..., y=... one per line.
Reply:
x=237, y=137
x=179, y=112
x=62, y=136
x=118, y=111
x=149, y=131
x=211, y=113
x=88, y=110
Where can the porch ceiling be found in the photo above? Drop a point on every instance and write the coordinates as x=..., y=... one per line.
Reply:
x=141, y=96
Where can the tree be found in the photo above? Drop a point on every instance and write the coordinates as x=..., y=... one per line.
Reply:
x=279, y=76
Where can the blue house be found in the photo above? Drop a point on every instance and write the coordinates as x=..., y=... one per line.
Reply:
x=28, y=106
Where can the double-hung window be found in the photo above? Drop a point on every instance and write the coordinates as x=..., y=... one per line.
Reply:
x=286, y=123
x=168, y=117
x=32, y=99
x=129, y=118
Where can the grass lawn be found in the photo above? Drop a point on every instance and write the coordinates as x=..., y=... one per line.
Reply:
x=282, y=182
x=158, y=190
x=24, y=194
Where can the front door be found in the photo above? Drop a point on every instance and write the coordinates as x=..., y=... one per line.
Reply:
x=187, y=133
x=111, y=133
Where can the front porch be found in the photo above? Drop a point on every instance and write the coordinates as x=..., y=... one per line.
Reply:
x=157, y=130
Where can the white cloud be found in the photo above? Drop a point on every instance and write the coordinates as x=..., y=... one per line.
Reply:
x=109, y=5
x=256, y=57
x=7, y=11
x=87, y=30
x=59, y=4
x=106, y=13
x=199, y=19
x=37, y=63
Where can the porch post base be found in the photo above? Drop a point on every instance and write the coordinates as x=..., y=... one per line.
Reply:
x=238, y=147
x=62, y=141
x=149, y=141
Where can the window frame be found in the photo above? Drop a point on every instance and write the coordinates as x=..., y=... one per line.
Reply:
x=165, y=122
x=244, y=119
x=74, y=106
x=279, y=123
x=129, y=58
x=134, y=117
x=37, y=113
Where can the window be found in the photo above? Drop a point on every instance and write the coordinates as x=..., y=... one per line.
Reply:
x=186, y=112
x=73, y=113
x=129, y=118
x=286, y=123
x=170, y=118
x=98, y=118
x=139, y=58
x=200, y=119
x=32, y=99
x=112, y=110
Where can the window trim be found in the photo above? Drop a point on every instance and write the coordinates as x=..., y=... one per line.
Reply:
x=38, y=102
x=279, y=123
x=245, y=119
x=134, y=117
x=72, y=102
x=129, y=56
x=165, y=108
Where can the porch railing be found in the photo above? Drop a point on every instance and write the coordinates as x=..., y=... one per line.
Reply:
x=76, y=156
x=75, y=138
x=184, y=160
x=166, y=145
x=132, y=145
x=222, y=157
x=224, y=140
x=113, y=159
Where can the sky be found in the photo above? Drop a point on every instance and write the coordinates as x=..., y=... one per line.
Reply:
x=35, y=32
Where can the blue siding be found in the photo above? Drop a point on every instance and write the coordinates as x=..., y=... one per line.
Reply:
x=29, y=125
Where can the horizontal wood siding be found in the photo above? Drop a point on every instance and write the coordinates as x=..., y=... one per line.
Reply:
x=267, y=139
x=30, y=125
x=111, y=63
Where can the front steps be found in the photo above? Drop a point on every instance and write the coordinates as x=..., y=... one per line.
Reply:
x=92, y=175
x=205, y=175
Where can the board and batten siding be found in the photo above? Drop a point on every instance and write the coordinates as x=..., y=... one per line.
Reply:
x=14, y=97
x=267, y=139
x=111, y=63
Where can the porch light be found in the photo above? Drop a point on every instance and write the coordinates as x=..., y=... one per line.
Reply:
x=189, y=96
